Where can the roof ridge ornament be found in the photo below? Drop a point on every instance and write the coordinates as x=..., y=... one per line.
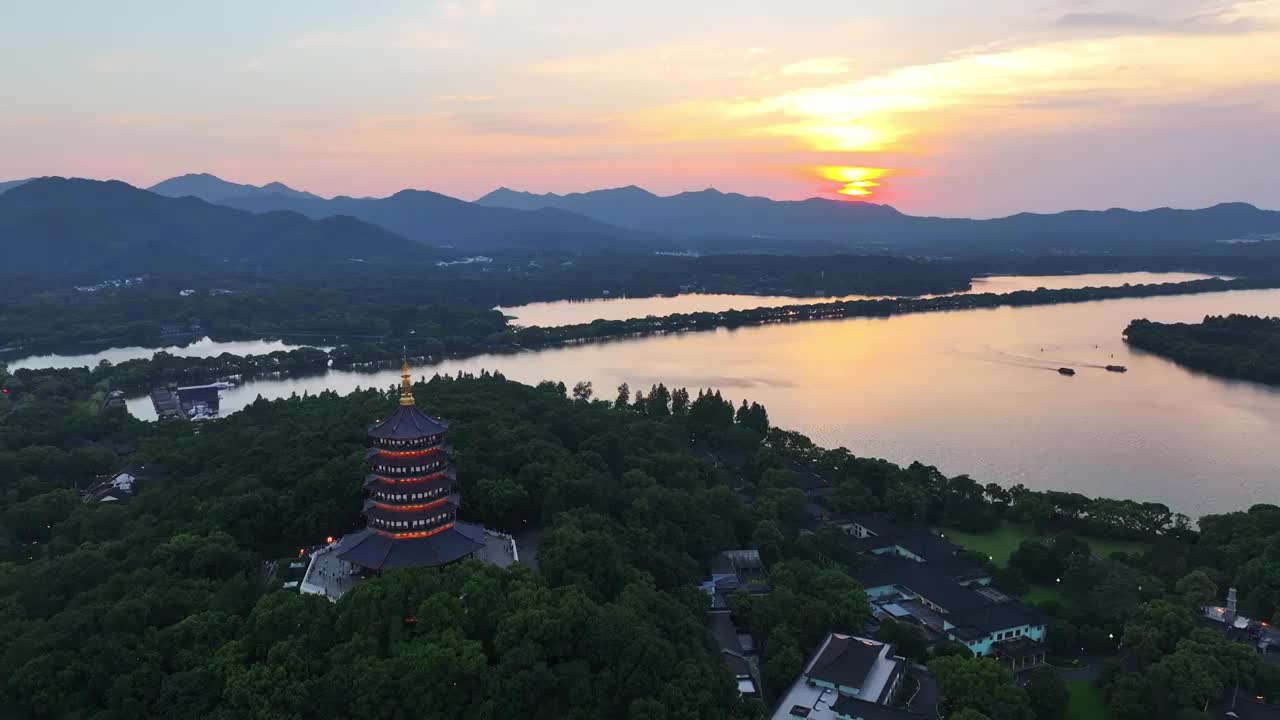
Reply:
x=406, y=384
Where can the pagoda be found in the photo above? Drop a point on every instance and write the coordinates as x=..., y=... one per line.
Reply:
x=411, y=504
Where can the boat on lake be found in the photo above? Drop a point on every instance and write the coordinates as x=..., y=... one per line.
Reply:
x=1117, y=368
x=1066, y=371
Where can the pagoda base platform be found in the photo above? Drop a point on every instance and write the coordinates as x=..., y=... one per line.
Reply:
x=375, y=551
x=338, y=567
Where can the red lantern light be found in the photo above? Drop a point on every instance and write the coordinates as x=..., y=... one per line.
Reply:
x=329, y=539
x=301, y=552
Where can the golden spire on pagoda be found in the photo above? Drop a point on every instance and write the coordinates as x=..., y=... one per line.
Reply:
x=406, y=385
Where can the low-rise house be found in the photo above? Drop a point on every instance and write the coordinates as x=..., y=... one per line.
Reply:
x=114, y=399
x=119, y=486
x=737, y=647
x=812, y=484
x=848, y=678
x=920, y=577
x=878, y=535
x=985, y=620
x=735, y=570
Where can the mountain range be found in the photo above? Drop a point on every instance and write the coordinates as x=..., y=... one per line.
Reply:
x=72, y=228
x=624, y=219
x=10, y=184
x=212, y=188
x=713, y=219
x=444, y=221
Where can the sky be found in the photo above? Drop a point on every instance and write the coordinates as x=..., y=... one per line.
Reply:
x=972, y=108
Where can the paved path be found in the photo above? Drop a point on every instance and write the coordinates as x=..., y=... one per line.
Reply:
x=926, y=701
x=527, y=541
x=328, y=574
x=1089, y=669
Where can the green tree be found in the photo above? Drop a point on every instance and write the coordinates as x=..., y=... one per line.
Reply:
x=908, y=639
x=980, y=684
x=1130, y=698
x=1156, y=627
x=1062, y=637
x=1197, y=589
x=1189, y=679
x=783, y=660
x=1047, y=694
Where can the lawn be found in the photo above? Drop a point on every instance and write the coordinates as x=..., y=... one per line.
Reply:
x=1084, y=701
x=1040, y=593
x=1001, y=542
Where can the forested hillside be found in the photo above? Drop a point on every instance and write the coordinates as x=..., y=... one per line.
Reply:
x=85, y=230
x=163, y=606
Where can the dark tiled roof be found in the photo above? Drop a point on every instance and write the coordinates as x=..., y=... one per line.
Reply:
x=944, y=592
x=993, y=617
x=925, y=580
x=725, y=632
x=207, y=394
x=874, y=542
x=149, y=471
x=927, y=545
x=738, y=561
x=407, y=423
x=375, y=551
x=809, y=482
x=844, y=660
x=967, y=634
x=918, y=541
x=863, y=710
x=878, y=523
x=815, y=510
x=736, y=664
x=886, y=571
x=976, y=616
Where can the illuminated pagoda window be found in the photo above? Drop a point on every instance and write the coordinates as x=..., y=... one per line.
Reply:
x=411, y=502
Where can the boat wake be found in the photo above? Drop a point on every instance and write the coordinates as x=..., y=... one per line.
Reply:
x=1035, y=362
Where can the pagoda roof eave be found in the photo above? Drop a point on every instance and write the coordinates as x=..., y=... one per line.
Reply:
x=376, y=551
x=407, y=422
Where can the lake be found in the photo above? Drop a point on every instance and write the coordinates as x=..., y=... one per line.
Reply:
x=972, y=391
x=204, y=347
x=569, y=312
x=575, y=312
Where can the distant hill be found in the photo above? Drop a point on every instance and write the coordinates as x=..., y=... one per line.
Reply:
x=10, y=184
x=72, y=228
x=710, y=215
x=444, y=221
x=212, y=188
x=716, y=220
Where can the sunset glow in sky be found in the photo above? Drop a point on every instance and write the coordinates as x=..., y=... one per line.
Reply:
x=947, y=107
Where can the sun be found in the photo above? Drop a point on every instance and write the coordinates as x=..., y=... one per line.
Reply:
x=856, y=182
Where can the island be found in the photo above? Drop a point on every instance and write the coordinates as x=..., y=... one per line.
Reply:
x=1246, y=347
